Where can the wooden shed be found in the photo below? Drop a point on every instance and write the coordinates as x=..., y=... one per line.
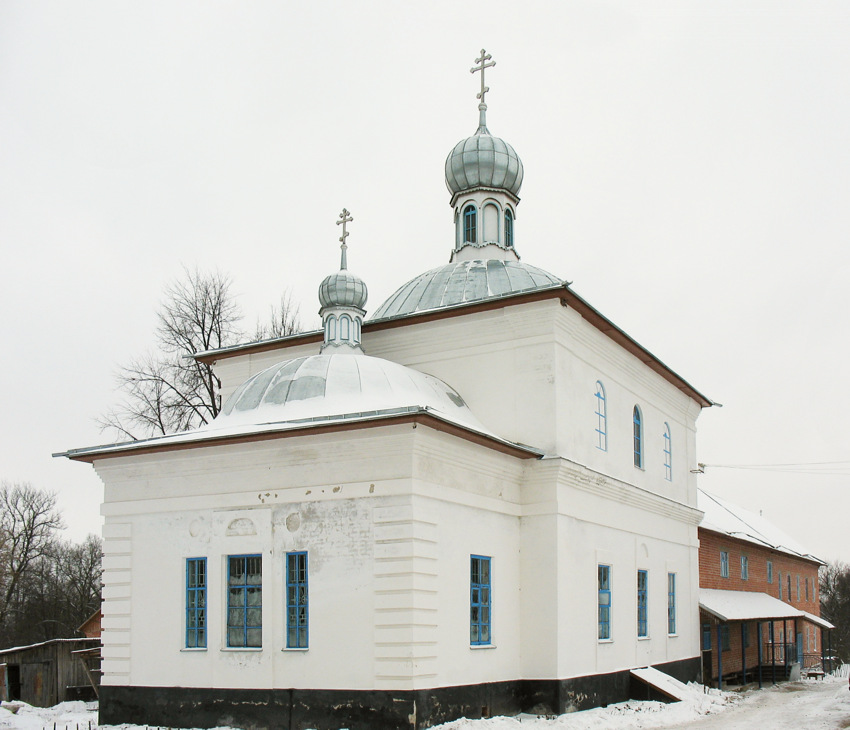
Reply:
x=47, y=673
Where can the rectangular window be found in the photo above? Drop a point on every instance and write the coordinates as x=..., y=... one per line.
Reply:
x=706, y=637
x=724, y=564
x=245, y=600
x=779, y=580
x=196, y=603
x=604, y=587
x=724, y=637
x=807, y=590
x=641, y=603
x=798, y=588
x=789, y=586
x=671, y=603
x=479, y=601
x=745, y=568
x=770, y=571
x=297, y=600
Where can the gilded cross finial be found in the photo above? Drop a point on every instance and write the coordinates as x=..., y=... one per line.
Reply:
x=344, y=217
x=482, y=64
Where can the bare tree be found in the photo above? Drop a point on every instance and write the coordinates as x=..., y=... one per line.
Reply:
x=284, y=320
x=171, y=391
x=28, y=523
x=835, y=604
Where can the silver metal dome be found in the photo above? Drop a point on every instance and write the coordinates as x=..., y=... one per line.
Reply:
x=464, y=281
x=343, y=289
x=483, y=160
x=346, y=386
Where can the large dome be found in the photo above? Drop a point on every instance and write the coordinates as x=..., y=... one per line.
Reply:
x=328, y=387
x=483, y=160
x=464, y=281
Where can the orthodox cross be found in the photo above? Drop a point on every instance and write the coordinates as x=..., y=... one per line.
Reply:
x=344, y=217
x=485, y=57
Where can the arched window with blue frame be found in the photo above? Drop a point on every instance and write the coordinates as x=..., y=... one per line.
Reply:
x=330, y=329
x=601, y=417
x=509, y=228
x=345, y=328
x=668, y=454
x=470, y=224
x=637, y=429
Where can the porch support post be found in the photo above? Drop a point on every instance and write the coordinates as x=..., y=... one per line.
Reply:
x=759, y=635
x=785, y=644
x=719, y=656
x=743, y=653
x=772, y=652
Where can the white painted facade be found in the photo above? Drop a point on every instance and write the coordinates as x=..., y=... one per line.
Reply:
x=390, y=513
x=390, y=516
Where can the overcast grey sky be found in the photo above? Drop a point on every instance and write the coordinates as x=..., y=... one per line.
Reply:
x=687, y=166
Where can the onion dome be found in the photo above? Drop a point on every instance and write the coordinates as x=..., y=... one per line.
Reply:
x=483, y=160
x=343, y=289
x=331, y=386
x=462, y=282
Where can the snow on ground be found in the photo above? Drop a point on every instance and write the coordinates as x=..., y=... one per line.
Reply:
x=806, y=705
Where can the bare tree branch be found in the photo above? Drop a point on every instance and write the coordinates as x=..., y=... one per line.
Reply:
x=172, y=391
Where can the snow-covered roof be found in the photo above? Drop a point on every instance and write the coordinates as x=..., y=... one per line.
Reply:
x=323, y=391
x=747, y=606
x=730, y=519
x=822, y=622
x=13, y=649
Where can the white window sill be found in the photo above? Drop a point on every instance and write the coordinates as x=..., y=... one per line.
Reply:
x=241, y=648
x=476, y=647
x=672, y=636
x=193, y=648
x=644, y=638
x=605, y=641
x=296, y=648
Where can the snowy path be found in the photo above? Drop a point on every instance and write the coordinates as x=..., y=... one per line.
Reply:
x=809, y=705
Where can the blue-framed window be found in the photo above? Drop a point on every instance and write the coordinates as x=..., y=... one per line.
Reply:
x=807, y=590
x=724, y=564
x=509, y=229
x=724, y=637
x=642, y=580
x=706, y=637
x=798, y=587
x=470, y=224
x=671, y=603
x=479, y=600
x=779, y=580
x=637, y=430
x=344, y=327
x=245, y=600
x=604, y=587
x=745, y=568
x=196, y=603
x=789, y=586
x=770, y=571
x=297, y=601
x=330, y=328
x=601, y=417
x=668, y=454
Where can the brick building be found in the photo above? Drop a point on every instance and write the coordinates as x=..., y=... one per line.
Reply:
x=759, y=598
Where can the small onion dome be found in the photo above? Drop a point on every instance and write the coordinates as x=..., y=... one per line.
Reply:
x=483, y=160
x=462, y=282
x=343, y=289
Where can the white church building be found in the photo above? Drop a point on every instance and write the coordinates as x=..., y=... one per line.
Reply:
x=478, y=501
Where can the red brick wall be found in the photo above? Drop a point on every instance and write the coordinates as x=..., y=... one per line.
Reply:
x=712, y=543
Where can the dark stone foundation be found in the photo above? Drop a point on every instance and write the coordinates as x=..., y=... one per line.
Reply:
x=300, y=709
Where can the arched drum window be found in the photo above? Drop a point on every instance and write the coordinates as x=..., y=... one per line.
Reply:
x=637, y=424
x=509, y=229
x=470, y=224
